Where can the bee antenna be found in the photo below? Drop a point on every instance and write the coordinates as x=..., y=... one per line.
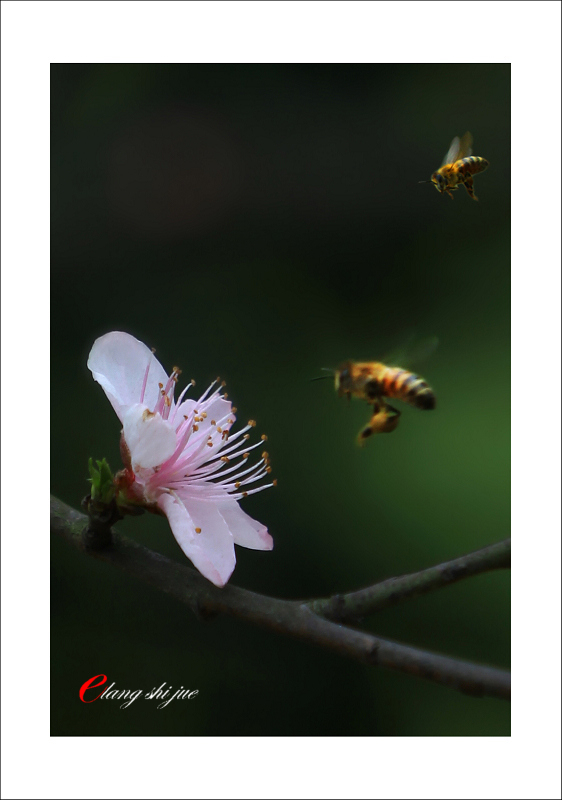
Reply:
x=323, y=377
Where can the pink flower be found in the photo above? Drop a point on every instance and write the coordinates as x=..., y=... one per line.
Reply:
x=180, y=456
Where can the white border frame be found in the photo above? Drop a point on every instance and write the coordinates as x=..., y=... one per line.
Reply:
x=527, y=34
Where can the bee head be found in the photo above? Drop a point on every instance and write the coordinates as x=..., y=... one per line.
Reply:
x=439, y=182
x=343, y=379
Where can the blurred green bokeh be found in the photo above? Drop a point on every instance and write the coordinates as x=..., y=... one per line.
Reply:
x=260, y=222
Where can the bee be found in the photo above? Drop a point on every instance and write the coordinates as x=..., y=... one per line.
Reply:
x=458, y=167
x=374, y=382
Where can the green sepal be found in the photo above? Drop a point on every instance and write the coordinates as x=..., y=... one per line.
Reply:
x=103, y=488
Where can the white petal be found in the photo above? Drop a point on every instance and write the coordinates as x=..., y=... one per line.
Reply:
x=118, y=362
x=246, y=531
x=217, y=409
x=150, y=439
x=185, y=408
x=212, y=550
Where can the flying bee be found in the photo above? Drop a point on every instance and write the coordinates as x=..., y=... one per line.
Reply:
x=458, y=167
x=374, y=382
x=377, y=381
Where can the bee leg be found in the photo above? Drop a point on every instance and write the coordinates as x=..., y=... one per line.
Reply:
x=373, y=393
x=469, y=186
x=369, y=429
x=364, y=435
x=395, y=412
x=392, y=416
x=384, y=420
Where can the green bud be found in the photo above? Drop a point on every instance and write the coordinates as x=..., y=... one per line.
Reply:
x=103, y=489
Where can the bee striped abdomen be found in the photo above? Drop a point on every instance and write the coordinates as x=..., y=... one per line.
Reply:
x=472, y=165
x=403, y=385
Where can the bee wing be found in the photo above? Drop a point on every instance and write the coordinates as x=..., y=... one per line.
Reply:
x=452, y=152
x=412, y=352
x=423, y=350
x=464, y=147
x=460, y=148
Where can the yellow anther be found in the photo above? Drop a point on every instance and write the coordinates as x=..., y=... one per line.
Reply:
x=274, y=481
x=209, y=444
x=213, y=422
x=225, y=459
x=204, y=414
x=246, y=436
x=234, y=409
x=219, y=428
x=223, y=383
x=161, y=385
x=225, y=395
x=263, y=437
x=268, y=469
x=230, y=421
x=196, y=427
x=265, y=454
x=197, y=530
x=237, y=484
x=252, y=422
x=245, y=455
x=192, y=382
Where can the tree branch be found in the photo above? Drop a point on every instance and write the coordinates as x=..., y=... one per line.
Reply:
x=342, y=608
x=296, y=618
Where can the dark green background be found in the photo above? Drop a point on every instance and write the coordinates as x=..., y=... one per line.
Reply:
x=261, y=222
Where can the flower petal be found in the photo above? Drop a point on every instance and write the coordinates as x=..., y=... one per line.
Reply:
x=216, y=410
x=118, y=363
x=150, y=439
x=246, y=532
x=212, y=550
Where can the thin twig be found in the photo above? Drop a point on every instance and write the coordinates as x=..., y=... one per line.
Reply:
x=346, y=607
x=285, y=616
